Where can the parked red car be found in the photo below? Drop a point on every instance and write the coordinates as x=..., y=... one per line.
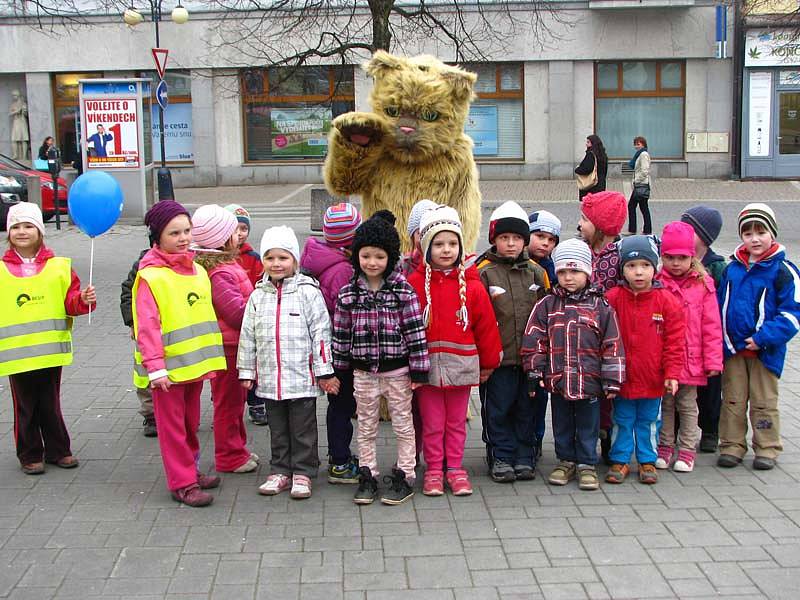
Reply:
x=48, y=206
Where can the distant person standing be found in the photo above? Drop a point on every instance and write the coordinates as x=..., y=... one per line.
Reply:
x=99, y=141
x=595, y=164
x=46, y=145
x=640, y=196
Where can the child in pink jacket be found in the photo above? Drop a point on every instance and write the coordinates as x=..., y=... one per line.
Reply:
x=216, y=240
x=685, y=277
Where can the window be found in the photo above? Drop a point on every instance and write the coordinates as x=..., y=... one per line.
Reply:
x=288, y=110
x=177, y=118
x=495, y=121
x=644, y=98
x=67, y=115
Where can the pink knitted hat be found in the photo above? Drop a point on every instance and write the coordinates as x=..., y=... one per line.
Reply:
x=677, y=239
x=339, y=224
x=606, y=210
x=212, y=226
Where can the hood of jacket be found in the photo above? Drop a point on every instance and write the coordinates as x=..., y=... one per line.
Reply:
x=776, y=251
x=581, y=294
x=289, y=284
x=181, y=262
x=43, y=255
x=318, y=256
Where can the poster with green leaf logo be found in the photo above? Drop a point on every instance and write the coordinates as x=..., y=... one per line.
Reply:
x=300, y=132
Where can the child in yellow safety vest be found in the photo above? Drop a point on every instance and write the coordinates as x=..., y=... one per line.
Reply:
x=179, y=345
x=39, y=292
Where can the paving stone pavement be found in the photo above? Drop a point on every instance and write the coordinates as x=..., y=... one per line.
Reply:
x=110, y=530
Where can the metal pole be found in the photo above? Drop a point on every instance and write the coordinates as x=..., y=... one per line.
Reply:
x=164, y=179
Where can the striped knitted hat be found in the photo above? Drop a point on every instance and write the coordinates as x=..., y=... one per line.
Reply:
x=241, y=214
x=415, y=216
x=573, y=254
x=212, y=226
x=759, y=212
x=543, y=220
x=340, y=223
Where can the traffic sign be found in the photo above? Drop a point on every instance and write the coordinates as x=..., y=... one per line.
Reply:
x=162, y=96
x=160, y=58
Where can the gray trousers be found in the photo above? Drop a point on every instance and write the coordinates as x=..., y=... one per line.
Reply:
x=293, y=436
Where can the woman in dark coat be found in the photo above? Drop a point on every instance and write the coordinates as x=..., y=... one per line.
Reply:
x=595, y=152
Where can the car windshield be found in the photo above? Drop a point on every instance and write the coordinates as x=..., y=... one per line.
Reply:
x=10, y=162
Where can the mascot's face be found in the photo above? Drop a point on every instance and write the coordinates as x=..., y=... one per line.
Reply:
x=424, y=101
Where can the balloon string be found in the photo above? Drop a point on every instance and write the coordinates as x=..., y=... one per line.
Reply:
x=91, y=272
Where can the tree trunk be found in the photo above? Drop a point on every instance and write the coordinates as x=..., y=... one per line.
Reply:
x=381, y=36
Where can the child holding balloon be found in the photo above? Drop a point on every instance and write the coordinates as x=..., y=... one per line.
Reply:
x=35, y=339
x=179, y=345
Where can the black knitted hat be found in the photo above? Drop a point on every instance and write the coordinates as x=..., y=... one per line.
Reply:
x=377, y=231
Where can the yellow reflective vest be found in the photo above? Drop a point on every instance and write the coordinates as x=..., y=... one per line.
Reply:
x=189, y=331
x=34, y=326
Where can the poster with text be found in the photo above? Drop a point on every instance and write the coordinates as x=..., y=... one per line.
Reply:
x=177, y=133
x=300, y=131
x=481, y=126
x=111, y=133
x=760, y=113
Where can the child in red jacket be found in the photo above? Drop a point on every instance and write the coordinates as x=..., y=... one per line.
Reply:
x=651, y=322
x=463, y=344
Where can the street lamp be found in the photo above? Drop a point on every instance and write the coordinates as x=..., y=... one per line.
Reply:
x=133, y=17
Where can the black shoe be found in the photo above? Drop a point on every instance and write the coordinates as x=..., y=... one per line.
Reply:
x=708, y=443
x=149, y=427
x=728, y=461
x=258, y=414
x=762, y=463
x=524, y=472
x=399, y=491
x=605, y=446
x=502, y=472
x=367, y=487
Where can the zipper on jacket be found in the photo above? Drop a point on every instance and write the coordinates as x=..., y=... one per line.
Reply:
x=278, y=336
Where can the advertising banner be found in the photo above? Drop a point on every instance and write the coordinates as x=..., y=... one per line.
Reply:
x=111, y=132
x=760, y=113
x=300, y=132
x=777, y=48
x=481, y=126
x=177, y=132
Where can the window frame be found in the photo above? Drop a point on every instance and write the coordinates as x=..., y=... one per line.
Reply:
x=276, y=101
x=659, y=92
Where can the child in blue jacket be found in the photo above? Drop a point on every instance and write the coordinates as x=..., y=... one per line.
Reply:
x=758, y=297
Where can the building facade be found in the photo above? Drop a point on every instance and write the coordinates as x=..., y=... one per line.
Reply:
x=618, y=68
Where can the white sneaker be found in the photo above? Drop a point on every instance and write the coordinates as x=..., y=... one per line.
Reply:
x=255, y=457
x=301, y=487
x=661, y=463
x=685, y=462
x=275, y=484
x=248, y=467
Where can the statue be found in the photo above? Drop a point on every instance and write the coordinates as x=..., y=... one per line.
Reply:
x=19, y=126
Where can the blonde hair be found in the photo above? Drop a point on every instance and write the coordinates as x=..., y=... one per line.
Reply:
x=697, y=267
x=463, y=313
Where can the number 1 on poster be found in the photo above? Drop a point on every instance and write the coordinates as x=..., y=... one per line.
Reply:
x=117, y=131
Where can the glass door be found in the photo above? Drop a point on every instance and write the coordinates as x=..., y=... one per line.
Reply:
x=787, y=159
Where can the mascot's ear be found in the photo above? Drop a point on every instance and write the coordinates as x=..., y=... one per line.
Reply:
x=461, y=82
x=382, y=62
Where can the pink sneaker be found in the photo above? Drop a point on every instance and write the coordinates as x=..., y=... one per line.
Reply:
x=458, y=480
x=433, y=483
x=685, y=462
x=301, y=487
x=207, y=482
x=664, y=457
x=275, y=484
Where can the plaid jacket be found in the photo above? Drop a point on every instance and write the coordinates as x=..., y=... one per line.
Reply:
x=573, y=343
x=380, y=331
x=285, y=339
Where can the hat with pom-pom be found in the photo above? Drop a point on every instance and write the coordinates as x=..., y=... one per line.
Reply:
x=378, y=231
x=340, y=223
x=606, y=210
x=212, y=226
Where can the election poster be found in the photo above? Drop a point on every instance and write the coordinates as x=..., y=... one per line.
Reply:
x=111, y=133
x=300, y=132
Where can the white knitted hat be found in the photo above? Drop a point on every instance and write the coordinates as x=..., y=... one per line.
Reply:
x=25, y=212
x=281, y=237
x=509, y=217
x=415, y=216
x=436, y=220
x=573, y=254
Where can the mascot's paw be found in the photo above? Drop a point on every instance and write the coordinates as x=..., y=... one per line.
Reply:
x=361, y=129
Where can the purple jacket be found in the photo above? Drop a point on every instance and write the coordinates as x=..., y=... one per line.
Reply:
x=328, y=265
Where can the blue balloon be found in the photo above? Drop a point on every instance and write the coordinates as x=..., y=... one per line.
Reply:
x=95, y=202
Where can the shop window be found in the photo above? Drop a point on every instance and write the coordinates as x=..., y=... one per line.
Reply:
x=495, y=121
x=288, y=110
x=640, y=98
x=177, y=118
x=67, y=115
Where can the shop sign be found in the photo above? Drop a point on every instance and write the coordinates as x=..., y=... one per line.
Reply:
x=772, y=48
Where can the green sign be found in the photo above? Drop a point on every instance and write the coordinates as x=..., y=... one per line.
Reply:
x=300, y=132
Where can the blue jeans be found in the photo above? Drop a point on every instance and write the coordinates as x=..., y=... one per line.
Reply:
x=508, y=414
x=576, y=424
x=341, y=408
x=540, y=418
x=636, y=427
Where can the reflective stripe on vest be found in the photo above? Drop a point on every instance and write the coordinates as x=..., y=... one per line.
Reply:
x=190, y=333
x=34, y=326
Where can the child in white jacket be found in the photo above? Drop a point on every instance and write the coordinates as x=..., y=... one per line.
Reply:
x=285, y=338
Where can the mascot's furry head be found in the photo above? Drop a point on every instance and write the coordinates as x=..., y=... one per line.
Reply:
x=424, y=94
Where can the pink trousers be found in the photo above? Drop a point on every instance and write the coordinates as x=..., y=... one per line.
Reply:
x=230, y=434
x=178, y=417
x=368, y=389
x=444, y=425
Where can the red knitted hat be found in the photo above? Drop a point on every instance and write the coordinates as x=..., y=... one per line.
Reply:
x=606, y=210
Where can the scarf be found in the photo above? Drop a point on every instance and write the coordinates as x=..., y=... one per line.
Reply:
x=632, y=162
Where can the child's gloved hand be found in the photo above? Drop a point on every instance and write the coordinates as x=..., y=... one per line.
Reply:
x=534, y=383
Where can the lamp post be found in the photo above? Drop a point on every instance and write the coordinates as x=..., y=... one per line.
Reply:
x=133, y=17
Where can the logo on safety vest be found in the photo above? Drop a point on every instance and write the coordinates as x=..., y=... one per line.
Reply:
x=22, y=299
x=191, y=298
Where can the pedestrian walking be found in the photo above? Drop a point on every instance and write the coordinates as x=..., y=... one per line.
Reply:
x=593, y=169
x=640, y=194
